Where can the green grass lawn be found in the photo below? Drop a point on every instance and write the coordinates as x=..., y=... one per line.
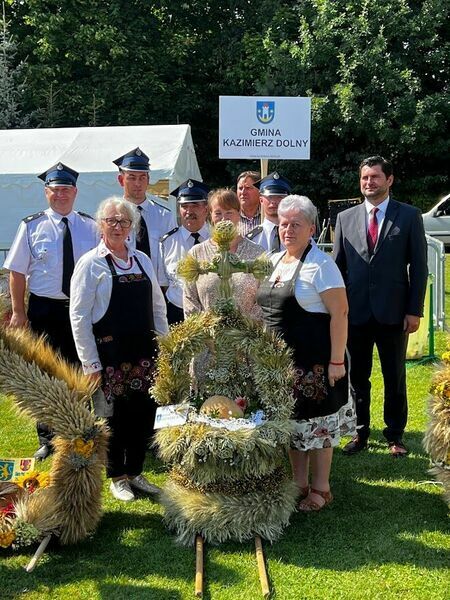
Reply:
x=386, y=535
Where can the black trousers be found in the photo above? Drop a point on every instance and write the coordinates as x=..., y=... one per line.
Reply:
x=391, y=342
x=131, y=426
x=175, y=314
x=51, y=317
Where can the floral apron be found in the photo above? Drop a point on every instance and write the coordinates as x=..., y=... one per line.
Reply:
x=308, y=335
x=125, y=335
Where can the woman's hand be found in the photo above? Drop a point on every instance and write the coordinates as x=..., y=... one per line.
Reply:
x=335, y=372
x=96, y=377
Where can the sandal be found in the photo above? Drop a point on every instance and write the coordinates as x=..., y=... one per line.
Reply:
x=303, y=492
x=309, y=505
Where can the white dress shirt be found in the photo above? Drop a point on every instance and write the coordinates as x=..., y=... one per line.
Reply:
x=90, y=293
x=172, y=248
x=37, y=250
x=382, y=208
x=266, y=236
x=159, y=220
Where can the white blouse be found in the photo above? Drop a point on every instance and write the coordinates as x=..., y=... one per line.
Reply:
x=318, y=274
x=90, y=293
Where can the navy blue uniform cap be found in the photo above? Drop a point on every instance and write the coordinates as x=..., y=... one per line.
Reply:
x=59, y=175
x=134, y=160
x=274, y=185
x=191, y=191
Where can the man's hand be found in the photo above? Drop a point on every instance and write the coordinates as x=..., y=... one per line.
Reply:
x=411, y=323
x=18, y=320
x=17, y=286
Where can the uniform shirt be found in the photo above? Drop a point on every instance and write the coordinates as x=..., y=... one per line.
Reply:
x=173, y=246
x=159, y=220
x=90, y=293
x=37, y=250
x=318, y=274
x=264, y=235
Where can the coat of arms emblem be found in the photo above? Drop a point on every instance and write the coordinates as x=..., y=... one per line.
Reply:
x=265, y=111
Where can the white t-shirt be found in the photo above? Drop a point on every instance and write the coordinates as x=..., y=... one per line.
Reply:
x=318, y=274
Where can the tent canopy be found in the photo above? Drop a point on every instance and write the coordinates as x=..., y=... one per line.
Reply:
x=25, y=153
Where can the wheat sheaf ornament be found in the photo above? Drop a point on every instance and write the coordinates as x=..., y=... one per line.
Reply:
x=233, y=380
x=49, y=390
x=437, y=434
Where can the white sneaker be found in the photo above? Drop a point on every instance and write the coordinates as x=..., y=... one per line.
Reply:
x=141, y=484
x=121, y=490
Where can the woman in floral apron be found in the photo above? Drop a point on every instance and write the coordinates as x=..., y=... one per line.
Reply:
x=304, y=301
x=116, y=309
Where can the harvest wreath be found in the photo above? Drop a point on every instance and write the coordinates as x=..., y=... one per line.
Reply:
x=228, y=478
x=67, y=504
x=437, y=434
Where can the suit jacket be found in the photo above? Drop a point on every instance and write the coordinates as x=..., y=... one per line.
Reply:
x=392, y=282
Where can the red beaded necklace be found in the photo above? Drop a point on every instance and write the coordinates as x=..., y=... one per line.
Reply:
x=120, y=267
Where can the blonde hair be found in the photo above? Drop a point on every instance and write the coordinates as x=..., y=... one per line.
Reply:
x=225, y=198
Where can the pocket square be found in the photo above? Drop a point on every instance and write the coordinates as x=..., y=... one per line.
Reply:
x=395, y=232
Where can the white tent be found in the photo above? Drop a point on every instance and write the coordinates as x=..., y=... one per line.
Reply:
x=25, y=153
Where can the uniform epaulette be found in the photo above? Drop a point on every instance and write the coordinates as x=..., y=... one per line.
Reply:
x=154, y=199
x=83, y=214
x=254, y=232
x=168, y=234
x=161, y=206
x=33, y=217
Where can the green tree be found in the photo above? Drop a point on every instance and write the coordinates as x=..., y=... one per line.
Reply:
x=378, y=76
x=11, y=79
x=377, y=73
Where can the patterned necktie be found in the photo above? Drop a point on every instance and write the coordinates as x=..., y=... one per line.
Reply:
x=142, y=241
x=372, y=230
x=68, y=261
x=196, y=237
x=276, y=240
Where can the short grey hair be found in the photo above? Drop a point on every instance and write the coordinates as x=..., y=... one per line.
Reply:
x=300, y=204
x=122, y=206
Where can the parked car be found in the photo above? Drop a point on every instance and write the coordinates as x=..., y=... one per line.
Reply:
x=437, y=221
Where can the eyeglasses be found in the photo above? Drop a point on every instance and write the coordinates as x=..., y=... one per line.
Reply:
x=123, y=223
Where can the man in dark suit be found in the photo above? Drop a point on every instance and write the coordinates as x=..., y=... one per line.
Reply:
x=381, y=250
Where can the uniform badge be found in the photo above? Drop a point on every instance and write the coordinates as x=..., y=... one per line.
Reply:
x=138, y=152
x=190, y=184
x=59, y=167
x=276, y=176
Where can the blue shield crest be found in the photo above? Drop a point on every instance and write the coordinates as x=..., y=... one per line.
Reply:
x=6, y=470
x=265, y=111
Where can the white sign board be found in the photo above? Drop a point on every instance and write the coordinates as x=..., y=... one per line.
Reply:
x=170, y=416
x=264, y=127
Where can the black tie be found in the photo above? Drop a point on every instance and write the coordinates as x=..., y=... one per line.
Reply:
x=196, y=237
x=142, y=241
x=276, y=240
x=68, y=261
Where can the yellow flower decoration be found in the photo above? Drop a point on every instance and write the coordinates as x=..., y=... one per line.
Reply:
x=83, y=448
x=33, y=480
x=223, y=234
x=189, y=268
x=442, y=390
x=446, y=357
x=6, y=538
